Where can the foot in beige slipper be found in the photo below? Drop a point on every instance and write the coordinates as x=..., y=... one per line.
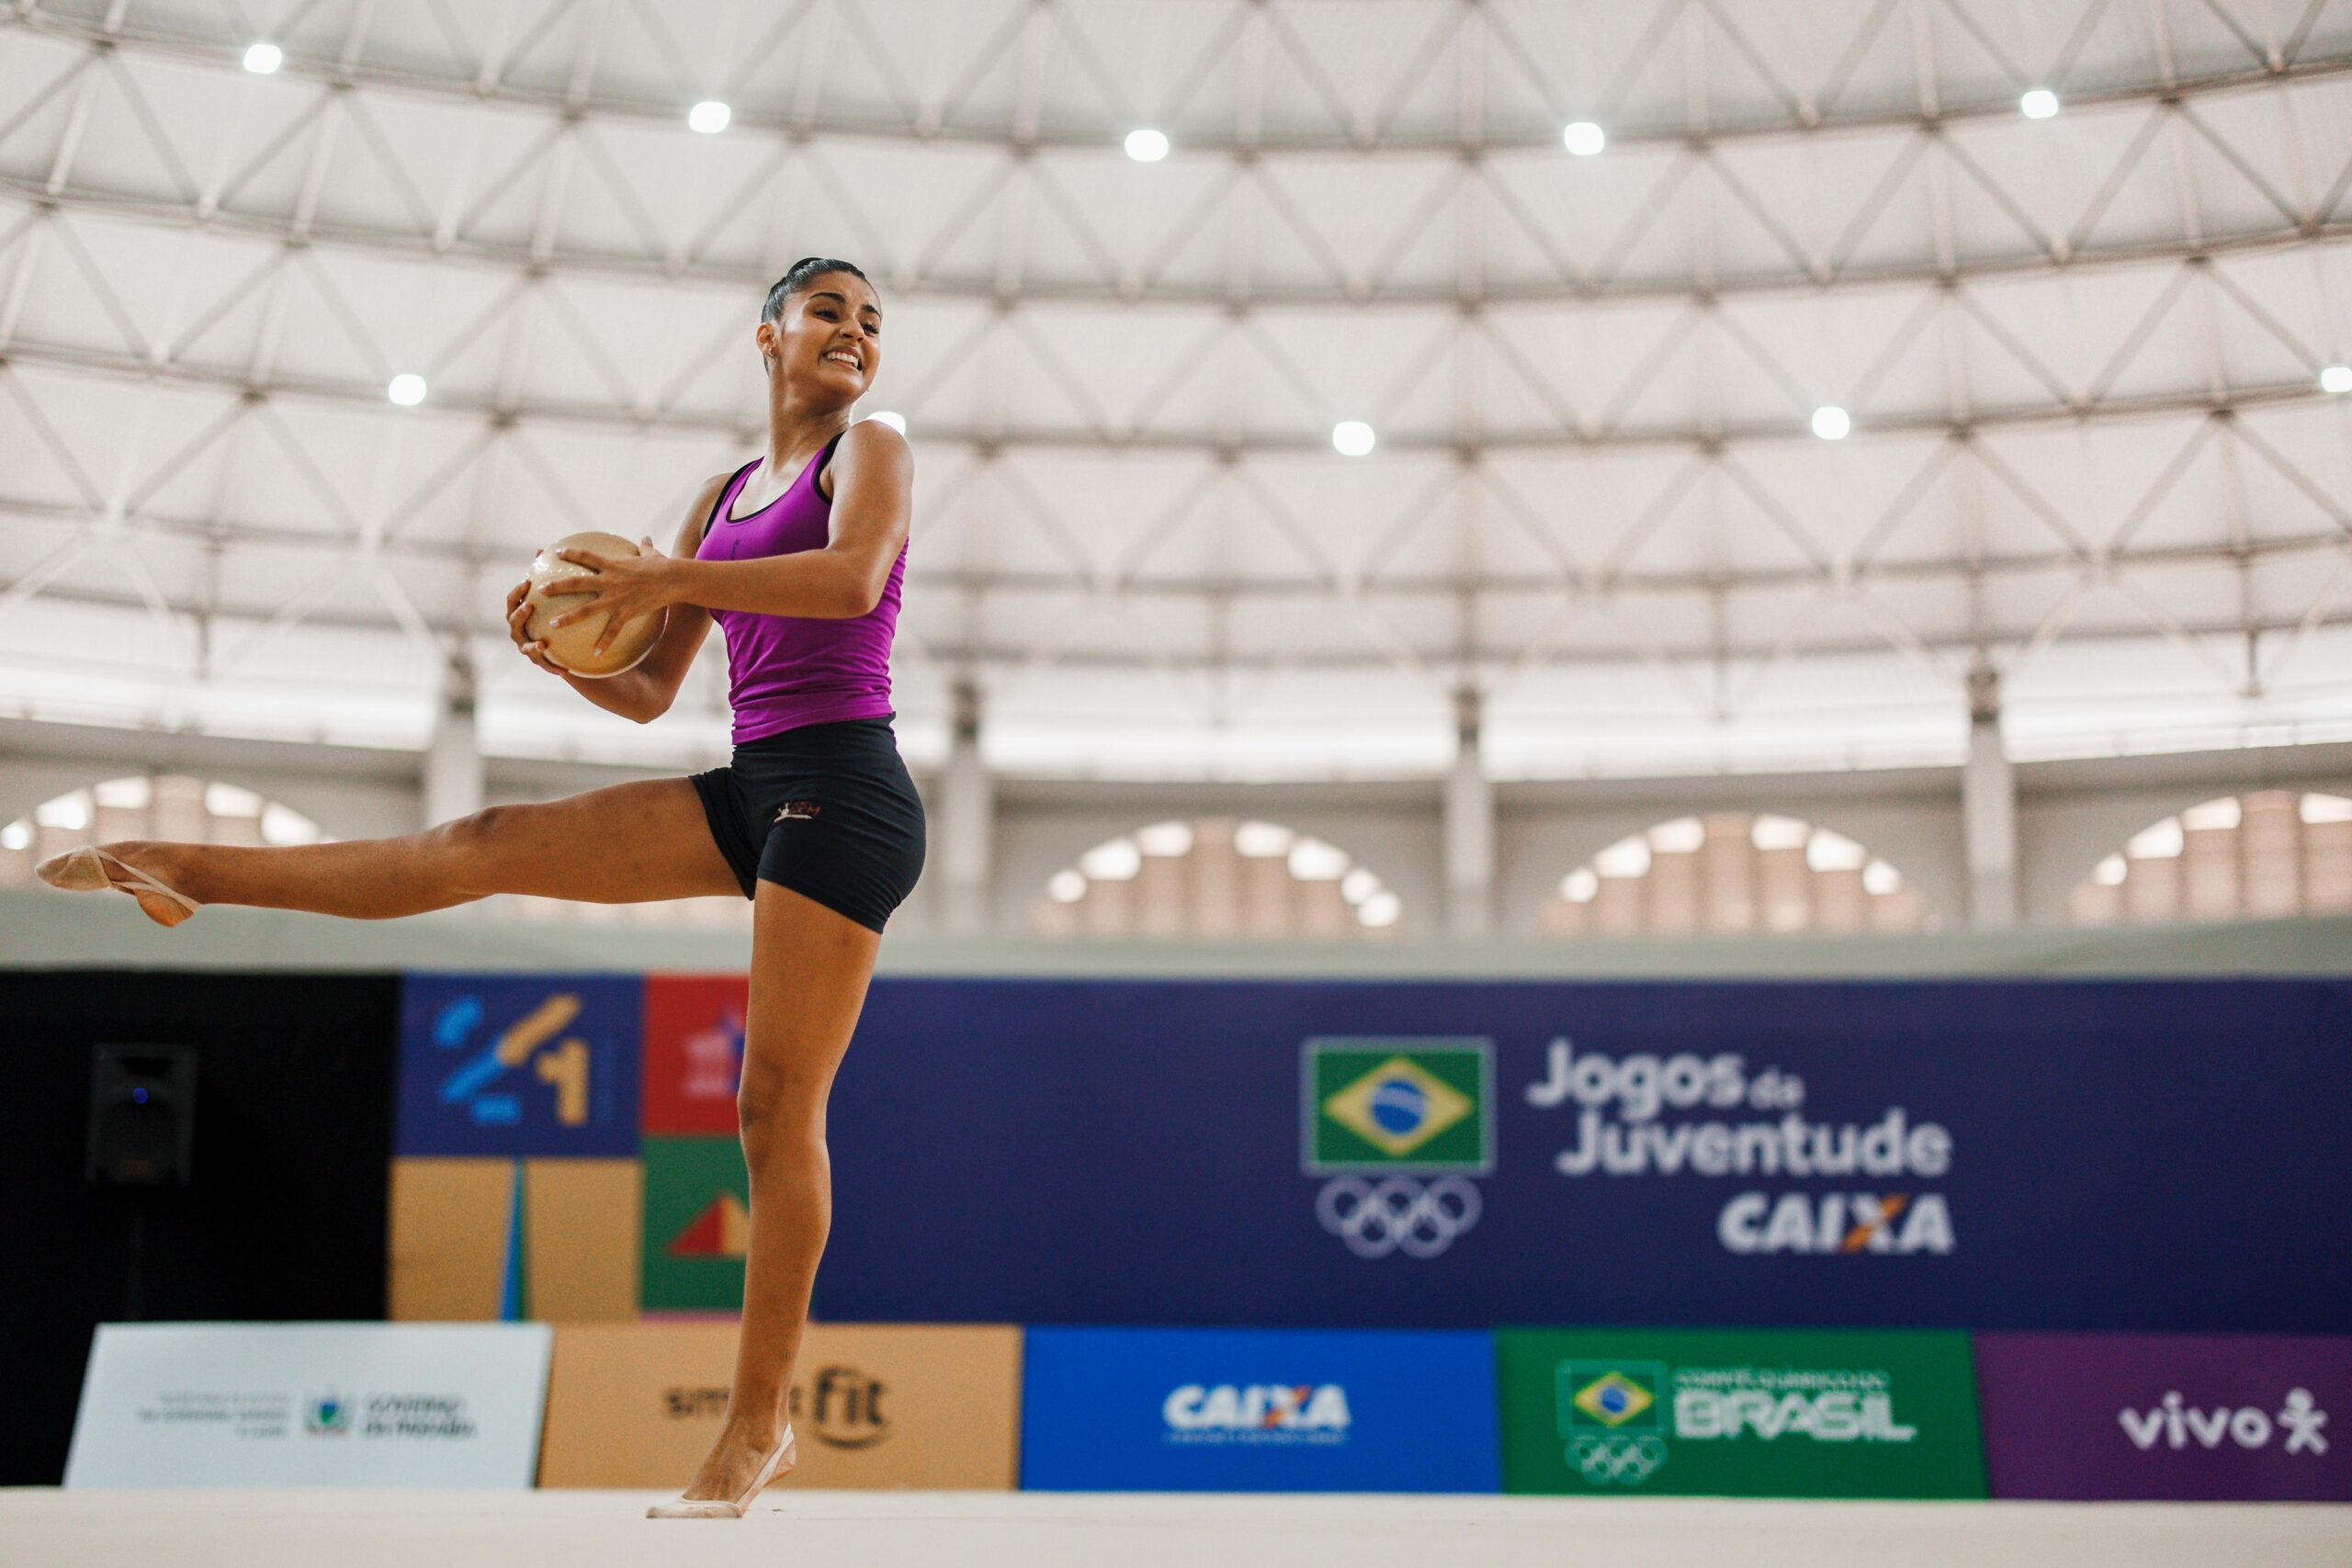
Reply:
x=775, y=1465
x=86, y=870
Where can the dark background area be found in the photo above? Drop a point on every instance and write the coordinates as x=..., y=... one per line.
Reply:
x=284, y=1219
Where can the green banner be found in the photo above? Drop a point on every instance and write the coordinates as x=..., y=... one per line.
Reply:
x=1796, y=1413
x=1397, y=1104
x=698, y=1224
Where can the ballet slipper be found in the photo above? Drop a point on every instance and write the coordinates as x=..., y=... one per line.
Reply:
x=85, y=871
x=775, y=1465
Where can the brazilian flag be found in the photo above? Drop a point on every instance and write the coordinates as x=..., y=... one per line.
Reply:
x=1398, y=1104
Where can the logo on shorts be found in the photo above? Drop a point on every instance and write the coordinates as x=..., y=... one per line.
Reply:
x=798, y=810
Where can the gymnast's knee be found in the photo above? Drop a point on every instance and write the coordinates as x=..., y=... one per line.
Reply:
x=779, y=1118
x=469, y=846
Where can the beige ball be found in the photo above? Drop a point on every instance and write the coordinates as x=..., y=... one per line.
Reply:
x=569, y=647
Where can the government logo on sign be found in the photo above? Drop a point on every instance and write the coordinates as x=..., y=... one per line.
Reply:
x=1380, y=1114
x=328, y=1415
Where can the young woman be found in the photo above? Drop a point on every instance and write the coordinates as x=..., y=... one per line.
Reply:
x=797, y=555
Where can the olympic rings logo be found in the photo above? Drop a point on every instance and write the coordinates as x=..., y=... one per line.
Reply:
x=1619, y=1459
x=1397, y=1214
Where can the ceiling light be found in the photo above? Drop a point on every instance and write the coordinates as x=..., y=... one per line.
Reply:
x=1831, y=423
x=1826, y=851
x=1879, y=879
x=70, y=812
x=2336, y=378
x=1312, y=860
x=2222, y=813
x=1165, y=839
x=231, y=800
x=406, y=390
x=1584, y=139
x=132, y=793
x=1580, y=887
x=2038, y=104
x=1147, y=146
x=1067, y=887
x=1262, y=840
x=1359, y=884
x=1682, y=836
x=710, y=116
x=262, y=59
x=2316, y=808
x=1380, y=909
x=283, y=825
x=1625, y=858
x=897, y=422
x=1117, y=860
x=1351, y=438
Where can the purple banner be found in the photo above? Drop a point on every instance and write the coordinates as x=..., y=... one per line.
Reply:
x=2187, y=1416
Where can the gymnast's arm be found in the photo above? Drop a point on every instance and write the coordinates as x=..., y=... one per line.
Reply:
x=873, y=475
x=644, y=693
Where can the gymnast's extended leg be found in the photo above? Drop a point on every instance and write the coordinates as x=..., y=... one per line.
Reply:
x=629, y=843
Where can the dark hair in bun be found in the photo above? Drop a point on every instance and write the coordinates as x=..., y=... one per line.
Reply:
x=799, y=276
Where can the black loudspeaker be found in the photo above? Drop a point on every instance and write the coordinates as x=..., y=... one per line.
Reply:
x=142, y=1115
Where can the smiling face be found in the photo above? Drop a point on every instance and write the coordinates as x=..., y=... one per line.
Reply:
x=826, y=341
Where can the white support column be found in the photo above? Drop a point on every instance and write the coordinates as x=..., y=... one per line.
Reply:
x=1469, y=827
x=968, y=819
x=1988, y=808
x=453, y=770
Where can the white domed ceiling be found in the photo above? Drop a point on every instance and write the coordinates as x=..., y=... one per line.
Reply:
x=2083, y=360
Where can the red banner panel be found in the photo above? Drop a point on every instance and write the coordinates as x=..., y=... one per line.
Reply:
x=693, y=1052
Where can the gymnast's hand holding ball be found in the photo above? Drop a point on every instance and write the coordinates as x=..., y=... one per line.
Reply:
x=593, y=605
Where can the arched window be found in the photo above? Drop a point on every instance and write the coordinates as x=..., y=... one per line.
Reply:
x=1731, y=872
x=163, y=805
x=2246, y=857
x=1215, y=877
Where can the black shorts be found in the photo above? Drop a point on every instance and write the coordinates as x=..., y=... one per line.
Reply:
x=827, y=810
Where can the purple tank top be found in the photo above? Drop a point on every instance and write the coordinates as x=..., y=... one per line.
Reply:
x=783, y=671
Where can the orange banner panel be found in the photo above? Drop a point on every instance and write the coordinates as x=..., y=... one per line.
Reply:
x=448, y=1238
x=874, y=1405
x=583, y=1228
x=560, y=1234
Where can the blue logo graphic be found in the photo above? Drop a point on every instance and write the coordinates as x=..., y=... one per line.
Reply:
x=1257, y=1410
x=1399, y=1106
x=511, y=1067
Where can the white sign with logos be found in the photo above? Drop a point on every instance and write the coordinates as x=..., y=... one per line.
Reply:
x=373, y=1404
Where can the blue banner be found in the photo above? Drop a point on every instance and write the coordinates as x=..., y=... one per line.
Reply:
x=519, y=1066
x=2015, y=1155
x=1257, y=1410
